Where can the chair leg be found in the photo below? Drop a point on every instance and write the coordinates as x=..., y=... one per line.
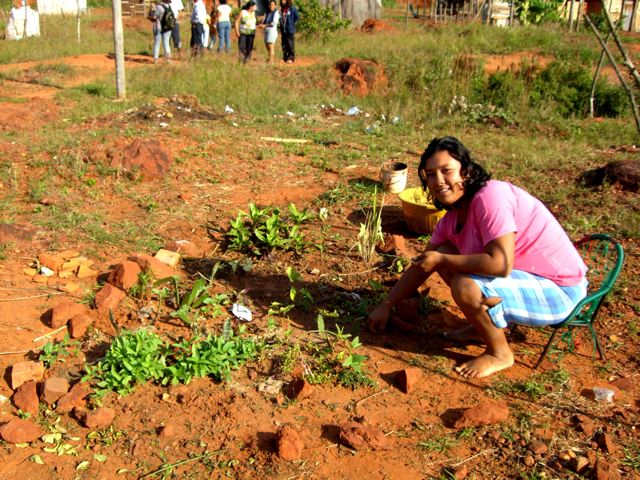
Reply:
x=597, y=343
x=546, y=348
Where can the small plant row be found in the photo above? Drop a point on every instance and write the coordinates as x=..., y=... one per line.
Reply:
x=260, y=231
x=137, y=357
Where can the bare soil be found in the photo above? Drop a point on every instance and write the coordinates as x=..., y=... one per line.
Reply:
x=234, y=418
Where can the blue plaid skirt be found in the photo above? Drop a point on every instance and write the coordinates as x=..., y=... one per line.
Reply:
x=529, y=299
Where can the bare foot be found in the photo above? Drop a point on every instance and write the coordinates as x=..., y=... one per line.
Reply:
x=466, y=334
x=485, y=365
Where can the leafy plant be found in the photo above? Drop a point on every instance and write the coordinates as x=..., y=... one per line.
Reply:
x=53, y=351
x=300, y=297
x=137, y=357
x=199, y=302
x=439, y=444
x=260, y=231
x=535, y=387
x=370, y=233
x=538, y=11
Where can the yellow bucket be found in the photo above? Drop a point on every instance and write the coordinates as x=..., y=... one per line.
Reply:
x=420, y=216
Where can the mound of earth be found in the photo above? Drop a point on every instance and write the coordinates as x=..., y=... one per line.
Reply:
x=372, y=25
x=622, y=174
x=360, y=77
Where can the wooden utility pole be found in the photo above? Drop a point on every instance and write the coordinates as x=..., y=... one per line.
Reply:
x=118, y=45
x=571, y=15
x=78, y=19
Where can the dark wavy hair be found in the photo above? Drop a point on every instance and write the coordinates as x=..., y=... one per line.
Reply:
x=474, y=175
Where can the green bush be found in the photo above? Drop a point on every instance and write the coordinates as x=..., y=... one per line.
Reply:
x=318, y=19
x=538, y=11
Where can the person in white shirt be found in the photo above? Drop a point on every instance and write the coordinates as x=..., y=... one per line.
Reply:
x=270, y=25
x=198, y=17
x=223, y=25
x=177, y=6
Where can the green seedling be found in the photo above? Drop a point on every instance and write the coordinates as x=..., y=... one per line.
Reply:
x=53, y=351
x=298, y=217
x=439, y=444
x=370, y=233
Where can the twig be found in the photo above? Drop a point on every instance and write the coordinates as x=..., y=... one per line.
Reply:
x=350, y=273
x=368, y=397
x=285, y=140
x=181, y=462
x=46, y=335
x=15, y=353
x=17, y=299
x=17, y=326
x=489, y=450
x=627, y=61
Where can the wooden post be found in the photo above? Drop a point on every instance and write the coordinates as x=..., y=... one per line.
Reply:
x=78, y=20
x=595, y=77
x=571, y=16
x=627, y=61
x=118, y=45
x=578, y=14
x=632, y=19
x=614, y=64
x=406, y=16
x=512, y=8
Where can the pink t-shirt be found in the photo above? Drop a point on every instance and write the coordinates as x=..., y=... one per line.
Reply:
x=541, y=245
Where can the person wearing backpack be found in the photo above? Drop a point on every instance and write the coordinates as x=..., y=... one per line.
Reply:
x=198, y=17
x=163, y=22
x=288, y=18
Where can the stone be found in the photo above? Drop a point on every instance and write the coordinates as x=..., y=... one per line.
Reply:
x=583, y=424
x=605, y=442
x=156, y=267
x=529, y=461
x=299, y=389
x=289, y=443
x=360, y=77
x=393, y=245
x=358, y=437
x=461, y=472
x=63, y=312
x=407, y=379
x=75, y=398
x=65, y=274
x=68, y=287
x=592, y=457
x=606, y=471
x=487, y=413
x=68, y=254
x=78, y=325
x=538, y=448
x=125, y=275
x=373, y=25
x=31, y=272
x=624, y=383
x=20, y=431
x=26, y=398
x=50, y=260
x=53, y=389
x=168, y=257
x=40, y=279
x=95, y=419
x=579, y=464
x=183, y=246
x=70, y=265
x=22, y=372
x=145, y=159
x=86, y=272
x=409, y=309
x=167, y=431
x=108, y=298
x=621, y=174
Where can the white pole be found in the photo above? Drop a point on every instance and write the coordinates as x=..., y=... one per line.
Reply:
x=118, y=44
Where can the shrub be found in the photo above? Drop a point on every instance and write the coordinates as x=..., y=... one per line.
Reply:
x=318, y=19
x=538, y=11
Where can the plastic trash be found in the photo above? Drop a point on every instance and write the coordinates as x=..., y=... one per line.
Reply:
x=164, y=124
x=603, y=395
x=47, y=272
x=290, y=114
x=396, y=120
x=353, y=111
x=241, y=312
x=228, y=109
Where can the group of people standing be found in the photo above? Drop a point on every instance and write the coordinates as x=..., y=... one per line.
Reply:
x=219, y=19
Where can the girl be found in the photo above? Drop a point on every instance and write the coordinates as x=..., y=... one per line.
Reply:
x=270, y=25
x=289, y=18
x=223, y=25
x=502, y=253
x=246, y=30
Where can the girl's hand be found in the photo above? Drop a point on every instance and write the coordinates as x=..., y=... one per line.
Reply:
x=428, y=261
x=377, y=320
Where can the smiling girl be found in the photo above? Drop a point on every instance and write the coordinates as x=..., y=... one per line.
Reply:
x=502, y=253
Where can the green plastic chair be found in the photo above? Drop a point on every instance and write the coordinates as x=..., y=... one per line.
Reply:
x=604, y=256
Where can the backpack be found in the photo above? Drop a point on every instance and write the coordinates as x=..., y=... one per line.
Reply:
x=168, y=20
